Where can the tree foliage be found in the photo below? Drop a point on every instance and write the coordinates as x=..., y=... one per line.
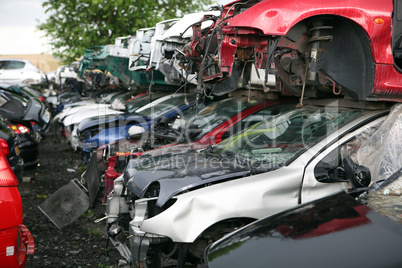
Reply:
x=75, y=25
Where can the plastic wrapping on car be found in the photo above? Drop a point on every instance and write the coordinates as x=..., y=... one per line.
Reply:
x=350, y=149
x=382, y=152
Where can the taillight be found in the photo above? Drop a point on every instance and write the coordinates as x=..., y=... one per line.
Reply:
x=4, y=146
x=7, y=176
x=42, y=99
x=20, y=129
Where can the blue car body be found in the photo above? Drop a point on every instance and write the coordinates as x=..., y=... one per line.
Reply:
x=116, y=127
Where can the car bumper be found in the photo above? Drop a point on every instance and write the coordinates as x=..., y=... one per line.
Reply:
x=140, y=240
x=13, y=254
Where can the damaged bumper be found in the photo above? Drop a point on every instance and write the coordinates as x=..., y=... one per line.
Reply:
x=140, y=241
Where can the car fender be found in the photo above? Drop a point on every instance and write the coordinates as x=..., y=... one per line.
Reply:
x=248, y=197
x=276, y=18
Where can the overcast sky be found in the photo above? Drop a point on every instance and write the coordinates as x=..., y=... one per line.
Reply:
x=18, y=21
x=18, y=34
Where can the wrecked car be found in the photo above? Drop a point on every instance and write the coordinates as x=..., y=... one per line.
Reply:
x=317, y=49
x=23, y=106
x=345, y=224
x=115, y=59
x=97, y=131
x=194, y=130
x=16, y=241
x=24, y=116
x=71, y=116
x=278, y=163
x=168, y=41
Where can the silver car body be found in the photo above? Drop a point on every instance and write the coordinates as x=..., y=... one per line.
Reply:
x=253, y=197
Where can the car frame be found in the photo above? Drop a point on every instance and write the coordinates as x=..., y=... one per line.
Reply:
x=316, y=49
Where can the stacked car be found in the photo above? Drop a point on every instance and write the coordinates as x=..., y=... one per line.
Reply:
x=226, y=117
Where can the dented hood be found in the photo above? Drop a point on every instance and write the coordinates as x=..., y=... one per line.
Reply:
x=178, y=172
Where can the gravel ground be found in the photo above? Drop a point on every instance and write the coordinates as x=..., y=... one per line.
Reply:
x=80, y=244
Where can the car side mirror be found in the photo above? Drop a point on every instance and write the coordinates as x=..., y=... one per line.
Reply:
x=327, y=173
x=359, y=176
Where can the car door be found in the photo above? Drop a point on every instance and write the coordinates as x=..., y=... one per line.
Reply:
x=314, y=186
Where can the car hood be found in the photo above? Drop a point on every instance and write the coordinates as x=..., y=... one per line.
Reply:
x=177, y=172
x=104, y=120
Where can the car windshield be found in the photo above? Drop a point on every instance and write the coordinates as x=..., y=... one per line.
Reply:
x=278, y=139
x=165, y=106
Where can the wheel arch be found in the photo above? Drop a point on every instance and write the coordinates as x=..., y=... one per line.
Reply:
x=346, y=59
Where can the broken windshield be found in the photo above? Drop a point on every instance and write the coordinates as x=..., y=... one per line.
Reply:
x=215, y=114
x=277, y=140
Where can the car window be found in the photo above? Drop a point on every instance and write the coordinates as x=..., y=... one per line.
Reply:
x=279, y=139
x=11, y=65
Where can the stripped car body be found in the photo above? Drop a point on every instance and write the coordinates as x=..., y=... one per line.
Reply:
x=315, y=48
x=97, y=131
x=167, y=43
x=125, y=60
x=169, y=196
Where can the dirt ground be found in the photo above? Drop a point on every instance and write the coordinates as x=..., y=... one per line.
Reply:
x=80, y=244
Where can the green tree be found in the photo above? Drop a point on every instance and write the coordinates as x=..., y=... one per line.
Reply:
x=75, y=25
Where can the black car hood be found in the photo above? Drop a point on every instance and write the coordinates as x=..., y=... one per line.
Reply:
x=336, y=231
x=105, y=120
x=178, y=172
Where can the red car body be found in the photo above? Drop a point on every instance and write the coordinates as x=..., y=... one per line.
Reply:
x=15, y=239
x=314, y=48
